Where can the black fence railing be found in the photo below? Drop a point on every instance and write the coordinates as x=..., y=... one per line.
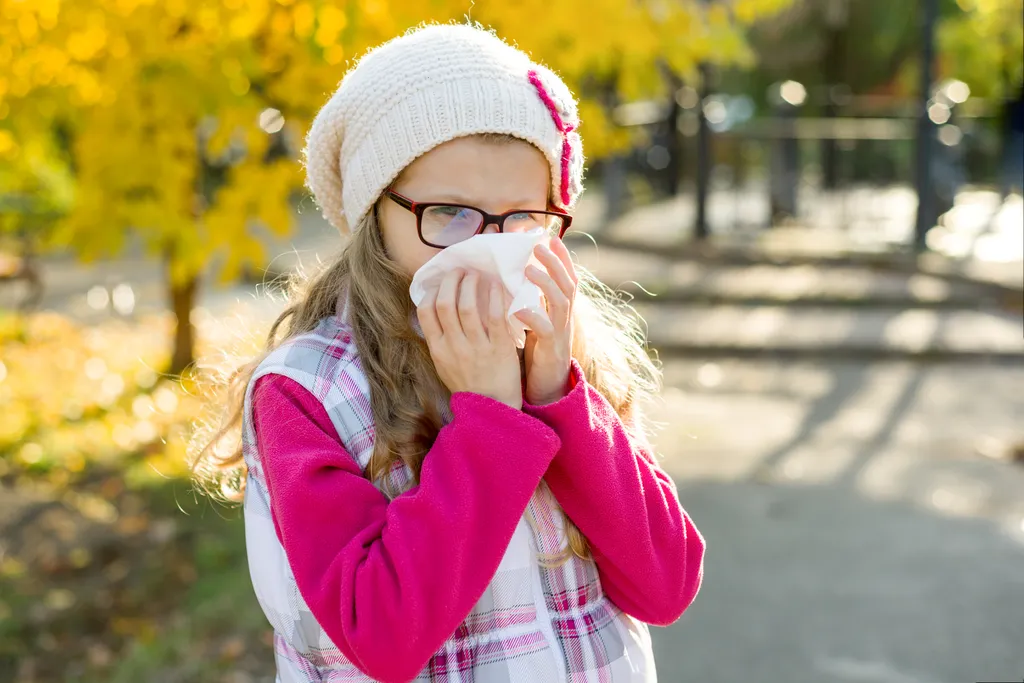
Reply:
x=853, y=171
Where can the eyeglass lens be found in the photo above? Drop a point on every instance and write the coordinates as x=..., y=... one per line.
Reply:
x=448, y=225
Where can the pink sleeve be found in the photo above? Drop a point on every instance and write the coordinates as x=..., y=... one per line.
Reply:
x=649, y=554
x=389, y=582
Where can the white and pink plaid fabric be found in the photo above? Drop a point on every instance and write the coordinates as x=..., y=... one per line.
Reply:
x=534, y=624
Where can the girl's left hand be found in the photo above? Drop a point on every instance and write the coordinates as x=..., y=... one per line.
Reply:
x=549, y=340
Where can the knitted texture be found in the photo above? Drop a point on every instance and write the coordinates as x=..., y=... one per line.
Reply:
x=434, y=84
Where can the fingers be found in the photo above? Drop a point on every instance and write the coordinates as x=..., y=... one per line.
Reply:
x=496, y=325
x=469, y=308
x=559, y=263
x=538, y=323
x=558, y=302
x=559, y=249
x=446, y=304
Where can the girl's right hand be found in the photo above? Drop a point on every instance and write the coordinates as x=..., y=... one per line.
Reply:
x=469, y=339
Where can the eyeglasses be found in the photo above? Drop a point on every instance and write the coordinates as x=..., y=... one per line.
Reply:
x=442, y=225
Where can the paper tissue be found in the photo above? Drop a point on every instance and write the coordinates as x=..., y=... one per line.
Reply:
x=501, y=256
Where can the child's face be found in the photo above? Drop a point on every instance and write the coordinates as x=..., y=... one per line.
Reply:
x=494, y=177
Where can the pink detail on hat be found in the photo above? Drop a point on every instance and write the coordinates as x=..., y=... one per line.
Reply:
x=563, y=128
x=566, y=158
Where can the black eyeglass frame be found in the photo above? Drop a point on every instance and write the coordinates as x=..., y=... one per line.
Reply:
x=418, y=208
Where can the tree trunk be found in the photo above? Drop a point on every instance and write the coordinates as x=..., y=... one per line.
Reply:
x=674, y=137
x=183, y=297
x=836, y=16
x=834, y=68
x=701, y=231
x=785, y=167
x=926, y=203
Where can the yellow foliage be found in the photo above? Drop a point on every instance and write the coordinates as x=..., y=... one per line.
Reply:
x=983, y=45
x=93, y=405
x=163, y=97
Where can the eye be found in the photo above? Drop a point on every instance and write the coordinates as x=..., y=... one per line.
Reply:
x=521, y=216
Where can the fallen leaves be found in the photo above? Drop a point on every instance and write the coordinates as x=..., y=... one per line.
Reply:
x=103, y=541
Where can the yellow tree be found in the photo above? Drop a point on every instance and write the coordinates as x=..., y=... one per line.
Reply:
x=179, y=120
x=623, y=45
x=982, y=45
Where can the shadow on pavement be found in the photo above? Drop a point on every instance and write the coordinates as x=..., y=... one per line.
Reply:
x=811, y=584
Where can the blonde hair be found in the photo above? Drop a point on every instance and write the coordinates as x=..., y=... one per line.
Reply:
x=405, y=391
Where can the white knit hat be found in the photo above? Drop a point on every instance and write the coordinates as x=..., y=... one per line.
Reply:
x=431, y=85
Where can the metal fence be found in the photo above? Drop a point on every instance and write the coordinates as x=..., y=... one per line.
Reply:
x=851, y=171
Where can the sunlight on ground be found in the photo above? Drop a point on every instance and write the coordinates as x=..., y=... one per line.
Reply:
x=932, y=437
x=981, y=228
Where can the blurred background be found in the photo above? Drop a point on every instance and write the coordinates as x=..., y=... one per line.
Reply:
x=815, y=205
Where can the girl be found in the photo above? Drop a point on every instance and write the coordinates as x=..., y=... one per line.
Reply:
x=422, y=501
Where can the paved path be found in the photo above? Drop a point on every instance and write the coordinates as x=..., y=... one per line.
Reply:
x=694, y=306
x=872, y=333
x=979, y=238
x=859, y=529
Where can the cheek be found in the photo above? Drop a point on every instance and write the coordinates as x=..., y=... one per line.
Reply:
x=408, y=251
x=401, y=242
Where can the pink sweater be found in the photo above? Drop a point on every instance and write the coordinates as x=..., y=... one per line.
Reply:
x=369, y=569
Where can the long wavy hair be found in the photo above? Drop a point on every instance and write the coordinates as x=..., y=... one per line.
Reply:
x=405, y=391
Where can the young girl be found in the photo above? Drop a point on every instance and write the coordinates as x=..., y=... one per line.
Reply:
x=422, y=501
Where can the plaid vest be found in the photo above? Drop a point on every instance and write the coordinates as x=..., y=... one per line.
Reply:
x=574, y=632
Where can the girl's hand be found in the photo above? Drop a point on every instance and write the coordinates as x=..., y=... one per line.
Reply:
x=469, y=340
x=549, y=341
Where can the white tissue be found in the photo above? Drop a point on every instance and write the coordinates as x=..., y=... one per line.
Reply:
x=501, y=256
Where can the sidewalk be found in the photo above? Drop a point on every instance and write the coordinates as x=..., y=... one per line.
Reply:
x=861, y=524
x=980, y=240
x=799, y=292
